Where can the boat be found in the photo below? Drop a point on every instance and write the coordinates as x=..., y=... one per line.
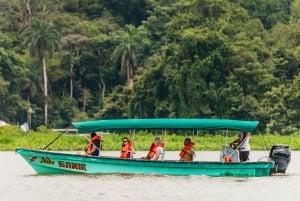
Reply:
x=51, y=162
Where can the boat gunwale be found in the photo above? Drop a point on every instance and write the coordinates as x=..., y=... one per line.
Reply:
x=92, y=158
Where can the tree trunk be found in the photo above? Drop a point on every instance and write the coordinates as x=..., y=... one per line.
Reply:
x=102, y=86
x=28, y=9
x=24, y=14
x=129, y=81
x=71, y=80
x=84, y=98
x=45, y=90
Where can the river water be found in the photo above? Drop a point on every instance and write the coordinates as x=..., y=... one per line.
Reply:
x=18, y=182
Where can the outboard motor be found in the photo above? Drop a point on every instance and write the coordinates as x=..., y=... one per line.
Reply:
x=281, y=154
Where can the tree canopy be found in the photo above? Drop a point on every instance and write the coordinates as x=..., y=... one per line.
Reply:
x=73, y=60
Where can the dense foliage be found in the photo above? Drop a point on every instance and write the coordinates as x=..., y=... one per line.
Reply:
x=11, y=137
x=73, y=60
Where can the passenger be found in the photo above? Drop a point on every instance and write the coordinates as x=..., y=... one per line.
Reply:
x=127, y=149
x=188, y=152
x=156, y=151
x=243, y=145
x=95, y=146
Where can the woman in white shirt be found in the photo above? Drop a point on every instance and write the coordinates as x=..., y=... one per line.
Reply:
x=243, y=145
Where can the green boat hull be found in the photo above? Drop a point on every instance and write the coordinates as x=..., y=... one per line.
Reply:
x=45, y=162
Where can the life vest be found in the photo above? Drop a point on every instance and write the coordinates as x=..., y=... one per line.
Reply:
x=125, y=151
x=185, y=149
x=89, y=147
x=153, y=149
x=228, y=159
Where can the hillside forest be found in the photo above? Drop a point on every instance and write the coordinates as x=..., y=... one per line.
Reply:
x=76, y=60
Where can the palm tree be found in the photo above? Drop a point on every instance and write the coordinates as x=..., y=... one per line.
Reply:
x=126, y=51
x=42, y=40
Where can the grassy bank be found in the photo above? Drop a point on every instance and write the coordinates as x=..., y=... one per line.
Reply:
x=12, y=137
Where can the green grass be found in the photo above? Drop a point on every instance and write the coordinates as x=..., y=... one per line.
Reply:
x=12, y=137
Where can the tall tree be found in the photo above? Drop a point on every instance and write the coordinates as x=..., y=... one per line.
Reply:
x=73, y=43
x=42, y=40
x=126, y=50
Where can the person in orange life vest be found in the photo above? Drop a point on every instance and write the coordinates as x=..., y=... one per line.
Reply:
x=188, y=152
x=127, y=149
x=94, y=147
x=243, y=145
x=156, y=151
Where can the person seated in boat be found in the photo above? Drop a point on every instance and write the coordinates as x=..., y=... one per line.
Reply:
x=243, y=145
x=188, y=152
x=95, y=146
x=156, y=151
x=127, y=149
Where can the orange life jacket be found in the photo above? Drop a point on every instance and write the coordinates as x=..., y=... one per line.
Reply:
x=89, y=147
x=186, y=148
x=153, y=149
x=125, y=151
x=228, y=159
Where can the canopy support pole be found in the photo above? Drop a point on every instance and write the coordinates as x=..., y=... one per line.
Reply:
x=132, y=142
x=132, y=134
x=165, y=132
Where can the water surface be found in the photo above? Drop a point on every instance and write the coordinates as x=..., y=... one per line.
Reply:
x=18, y=182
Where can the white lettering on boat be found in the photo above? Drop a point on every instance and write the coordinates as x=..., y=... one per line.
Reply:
x=68, y=165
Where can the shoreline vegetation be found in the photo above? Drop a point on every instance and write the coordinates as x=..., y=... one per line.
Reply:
x=12, y=137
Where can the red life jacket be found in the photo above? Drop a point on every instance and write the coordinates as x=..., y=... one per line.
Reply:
x=186, y=148
x=125, y=151
x=89, y=147
x=153, y=149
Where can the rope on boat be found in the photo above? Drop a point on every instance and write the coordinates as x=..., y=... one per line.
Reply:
x=263, y=142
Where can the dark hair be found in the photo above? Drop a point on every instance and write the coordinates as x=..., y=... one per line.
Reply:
x=93, y=134
x=188, y=140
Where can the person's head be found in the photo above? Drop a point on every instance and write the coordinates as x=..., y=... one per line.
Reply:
x=187, y=141
x=93, y=134
x=157, y=140
x=125, y=141
x=243, y=134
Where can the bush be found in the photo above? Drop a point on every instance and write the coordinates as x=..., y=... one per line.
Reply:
x=11, y=130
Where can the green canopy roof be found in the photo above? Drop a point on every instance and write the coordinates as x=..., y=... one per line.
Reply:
x=201, y=124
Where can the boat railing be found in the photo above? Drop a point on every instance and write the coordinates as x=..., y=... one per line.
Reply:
x=66, y=130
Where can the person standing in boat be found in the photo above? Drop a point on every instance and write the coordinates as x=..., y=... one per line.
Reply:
x=156, y=151
x=188, y=152
x=127, y=148
x=243, y=145
x=95, y=146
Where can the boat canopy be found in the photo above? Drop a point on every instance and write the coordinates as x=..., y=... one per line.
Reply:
x=165, y=123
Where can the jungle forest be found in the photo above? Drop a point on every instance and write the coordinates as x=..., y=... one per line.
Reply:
x=75, y=60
